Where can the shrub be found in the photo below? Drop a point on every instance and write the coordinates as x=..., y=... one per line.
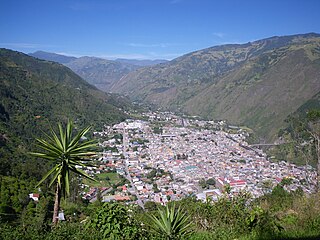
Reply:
x=114, y=221
x=171, y=223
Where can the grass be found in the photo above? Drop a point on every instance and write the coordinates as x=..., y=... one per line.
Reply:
x=101, y=180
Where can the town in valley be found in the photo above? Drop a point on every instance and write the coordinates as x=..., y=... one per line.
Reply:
x=165, y=157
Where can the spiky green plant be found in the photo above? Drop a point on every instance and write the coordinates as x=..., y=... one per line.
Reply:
x=172, y=223
x=66, y=152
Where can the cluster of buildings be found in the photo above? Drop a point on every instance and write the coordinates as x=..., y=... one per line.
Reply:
x=165, y=157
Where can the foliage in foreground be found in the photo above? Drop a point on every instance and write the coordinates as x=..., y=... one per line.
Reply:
x=66, y=151
x=171, y=223
x=277, y=215
x=115, y=221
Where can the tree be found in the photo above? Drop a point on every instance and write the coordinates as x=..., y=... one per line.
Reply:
x=314, y=130
x=266, y=186
x=298, y=140
x=116, y=221
x=155, y=188
x=203, y=184
x=150, y=206
x=98, y=202
x=211, y=181
x=227, y=188
x=66, y=152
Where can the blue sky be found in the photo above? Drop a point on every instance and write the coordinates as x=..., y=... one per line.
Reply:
x=148, y=29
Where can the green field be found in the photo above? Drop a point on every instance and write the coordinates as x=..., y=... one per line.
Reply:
x=102, y=180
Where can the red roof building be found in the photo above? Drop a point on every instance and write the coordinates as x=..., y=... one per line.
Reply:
x=34, y=196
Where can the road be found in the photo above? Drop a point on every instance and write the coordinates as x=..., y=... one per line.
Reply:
x=127, y=175
x=102, y=194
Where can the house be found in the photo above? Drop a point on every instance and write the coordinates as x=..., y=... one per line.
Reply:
x=234, y=183
x=122, y=198
x=34, y=196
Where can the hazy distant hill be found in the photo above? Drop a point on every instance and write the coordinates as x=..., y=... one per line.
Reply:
x=52, y=57
x=141, y=63
x=99, y=72
x=257, y=84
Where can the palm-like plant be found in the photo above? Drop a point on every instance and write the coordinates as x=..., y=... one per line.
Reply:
x=171, y=223
x=66, y=152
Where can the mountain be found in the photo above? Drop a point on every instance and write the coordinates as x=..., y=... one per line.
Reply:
x=32, y=87
x=35, y=94
x=257, y=84
x=99, y=72
x=52, y=57
x=312, y=103
x=298, y=147
x=142, y=63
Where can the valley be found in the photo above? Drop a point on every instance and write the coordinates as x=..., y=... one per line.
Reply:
x=99, y=72
x=168, y=158
x=160, y=120
x=257, y=84
x=184, y=132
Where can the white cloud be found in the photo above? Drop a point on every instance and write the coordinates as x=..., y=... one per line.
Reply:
x=219, y=34
x=126, y=56
x=150, y=55
x=25, y=45
x=151, y=45
x=228, y=42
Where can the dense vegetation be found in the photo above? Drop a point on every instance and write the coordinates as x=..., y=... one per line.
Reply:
x=297, y=143
x=35, y=95
x=276, y=215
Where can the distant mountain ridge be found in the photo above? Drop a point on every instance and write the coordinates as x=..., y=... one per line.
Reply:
x=141, y=62
x=54, y=57
x=99, y=72
x=256, y=84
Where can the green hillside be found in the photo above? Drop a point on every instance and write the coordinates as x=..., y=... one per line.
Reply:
x=299, y=145
x=256, y=84
x=35, y=94
x=312, y=103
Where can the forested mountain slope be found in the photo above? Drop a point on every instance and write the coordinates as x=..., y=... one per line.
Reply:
x=36, y=93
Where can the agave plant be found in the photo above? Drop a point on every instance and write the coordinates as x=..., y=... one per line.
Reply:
x=66, y=152
x=172, y=223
